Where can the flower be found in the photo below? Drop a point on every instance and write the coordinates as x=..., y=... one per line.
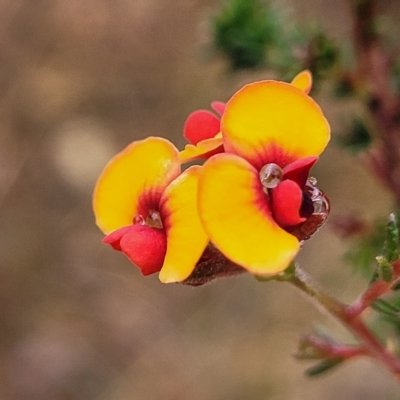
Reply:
x=303, y=81
x=202, y=130
x=255, y=198
x=203, y=124
x=148, y=209
x=202, y=127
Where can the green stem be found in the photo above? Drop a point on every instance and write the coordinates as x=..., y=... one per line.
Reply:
x=353, y=323
x=304, y=282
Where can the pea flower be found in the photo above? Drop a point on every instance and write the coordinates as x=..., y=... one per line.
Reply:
x=256, y=201
x=202, y=127
x=202, y=130
x=148, y=209
x=303, y=81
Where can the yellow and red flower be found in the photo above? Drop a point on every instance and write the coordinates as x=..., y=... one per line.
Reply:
x=148, y=209
x=202, y=128
x=256, y=193
x=303, y=81
x=202, y=131
x=252, y=198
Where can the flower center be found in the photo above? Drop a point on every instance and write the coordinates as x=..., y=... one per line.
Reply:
x=271, y=175
x=153, y=220
x=315, y=208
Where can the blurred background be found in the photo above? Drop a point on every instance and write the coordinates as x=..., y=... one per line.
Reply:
x=79, y=80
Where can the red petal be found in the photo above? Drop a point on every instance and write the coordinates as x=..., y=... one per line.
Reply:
x=299, y=170
x=287, y=198
x=201, y=125
x=144, y=246
x=218, y=107
x=115, y=237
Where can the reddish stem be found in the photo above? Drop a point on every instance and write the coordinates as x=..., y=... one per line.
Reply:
x=328, y=348
x=373, y=292
x=373, y=347
x=354, y=323
x=374, y=72
x=376, y=290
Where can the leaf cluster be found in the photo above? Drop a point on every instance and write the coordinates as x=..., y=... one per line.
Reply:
x=364, y=250
x=252, y=34
x=243, y=30
x=383, y=240
x=358, y=136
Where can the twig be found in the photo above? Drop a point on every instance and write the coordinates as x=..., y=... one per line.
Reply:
x=373, y=292
x=353, y=323
x=374, y=70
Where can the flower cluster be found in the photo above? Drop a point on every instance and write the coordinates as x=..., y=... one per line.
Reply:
x=252, y=200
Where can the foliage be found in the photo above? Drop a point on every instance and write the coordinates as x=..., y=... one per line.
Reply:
x=252, y=33
x=244, y=30
x=358, y=137
x=364, y=249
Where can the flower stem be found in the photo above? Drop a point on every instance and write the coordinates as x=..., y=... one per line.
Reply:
x=373, y=292
x=343, y=313
x=322, y=346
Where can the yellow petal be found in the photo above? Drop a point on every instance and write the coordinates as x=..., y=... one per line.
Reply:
x=186, y=238
x=236, y=215
x=303, y=81
x=204, y=149
x=271, y=121
x=133, y=182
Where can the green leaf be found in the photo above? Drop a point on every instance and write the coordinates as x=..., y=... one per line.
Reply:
x=358, y=137
x=323, y=53
x=243, y=30
x=382, y=238
x=396, y=286
x=362, y=253
x=395, y=76
x=392, y=314
x=261, y=278
x=392, y=239
x=288, y=273
x=344, y=87
x=385, y=308
x=374, y=277
x=283, y=276
x=385, y=270
x=323, y=367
